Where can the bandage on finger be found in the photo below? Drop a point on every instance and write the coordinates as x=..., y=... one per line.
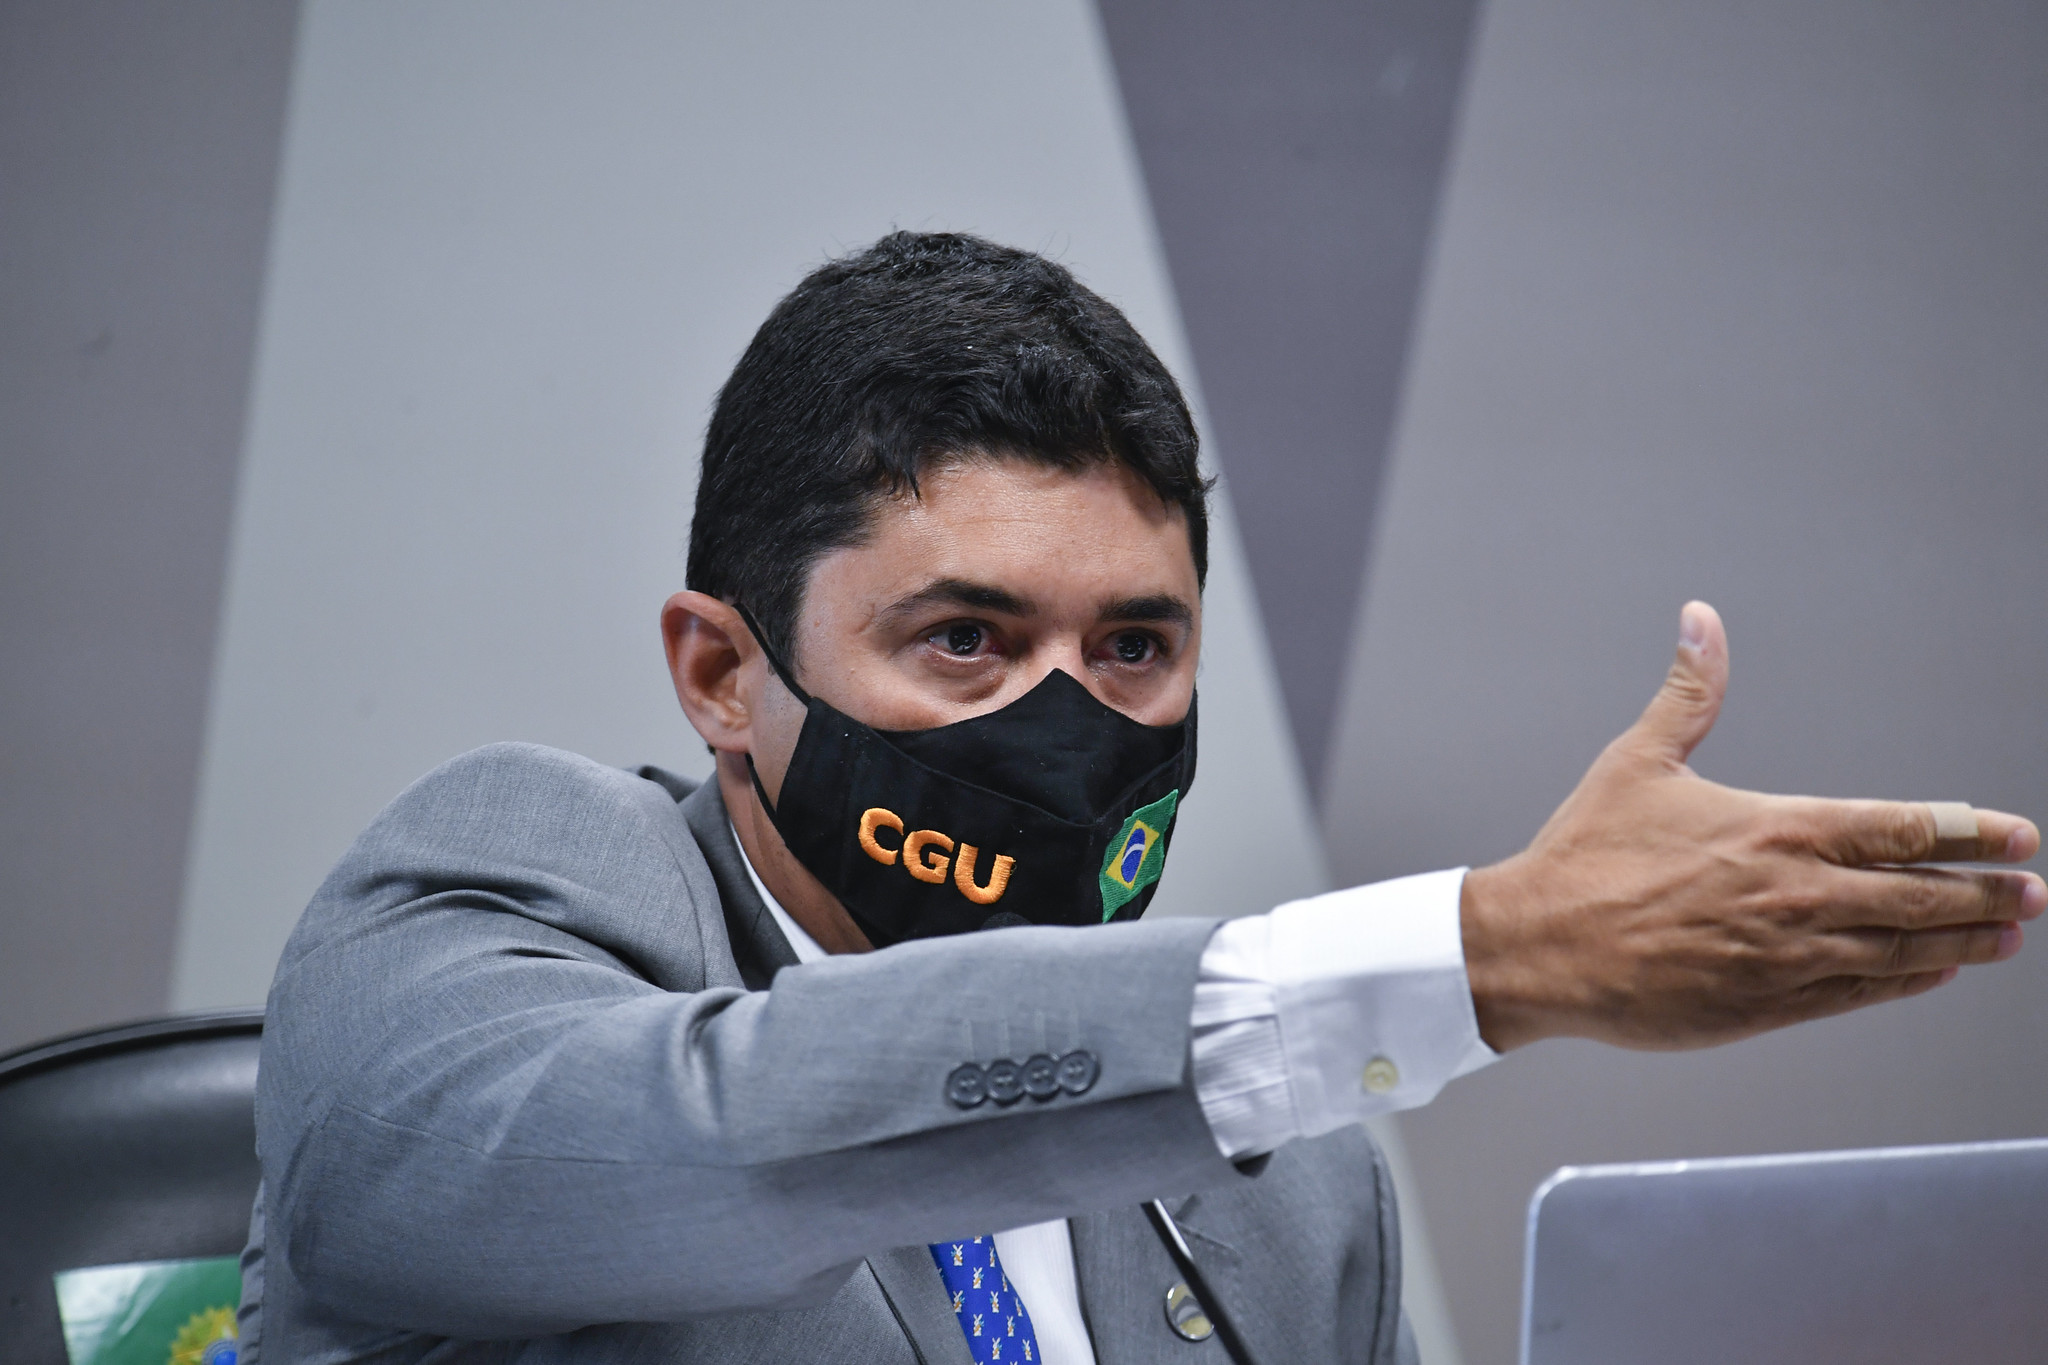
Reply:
x=1955, y=832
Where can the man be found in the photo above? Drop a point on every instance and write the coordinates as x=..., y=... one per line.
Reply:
x=566, y=1063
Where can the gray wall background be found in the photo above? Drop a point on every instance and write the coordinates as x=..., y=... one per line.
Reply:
x=138, y=151
x=1294, y=151
x=1745, y=301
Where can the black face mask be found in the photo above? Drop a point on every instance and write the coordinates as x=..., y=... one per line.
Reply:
x=1055, y=809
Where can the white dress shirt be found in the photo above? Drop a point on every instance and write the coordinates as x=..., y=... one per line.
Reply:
x=1319, y=1013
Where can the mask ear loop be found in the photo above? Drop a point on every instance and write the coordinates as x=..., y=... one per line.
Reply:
x=774, y=660
x=788, y=681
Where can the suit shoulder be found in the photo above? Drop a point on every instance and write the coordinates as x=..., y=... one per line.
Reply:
x=1350, y=1148
x=1341, y=1175
x=511, y=767
x=1347, y=1159
x=549, y=836
x=508, y=808
x=512, y=784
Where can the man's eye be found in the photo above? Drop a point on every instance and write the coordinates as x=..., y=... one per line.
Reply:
x=963, y=639
x=1133, y=648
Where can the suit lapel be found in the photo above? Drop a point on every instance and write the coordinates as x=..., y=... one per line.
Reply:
x=912, y=1285
x=757, y=944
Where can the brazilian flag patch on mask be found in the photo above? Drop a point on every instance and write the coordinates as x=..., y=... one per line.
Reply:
x=1137, y=855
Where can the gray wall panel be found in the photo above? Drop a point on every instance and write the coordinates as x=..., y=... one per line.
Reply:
x=1294, y=152
x=138, y=150
x=1750, y=302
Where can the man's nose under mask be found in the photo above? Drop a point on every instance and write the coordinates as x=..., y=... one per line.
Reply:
x=1055, y=809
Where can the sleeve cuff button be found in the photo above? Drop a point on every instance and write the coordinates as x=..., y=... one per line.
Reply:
x=1041, y=1077
x=967, y=1086
x=1077, y=1072
x=1005, y=1081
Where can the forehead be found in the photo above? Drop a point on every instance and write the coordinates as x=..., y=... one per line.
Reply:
x=1055, y=536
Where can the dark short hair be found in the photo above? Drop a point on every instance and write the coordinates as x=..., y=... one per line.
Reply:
x=923, y=346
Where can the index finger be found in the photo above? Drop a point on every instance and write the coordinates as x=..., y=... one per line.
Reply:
x=1860, y=833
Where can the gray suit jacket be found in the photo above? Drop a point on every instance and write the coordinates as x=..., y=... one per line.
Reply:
x=532, y=1089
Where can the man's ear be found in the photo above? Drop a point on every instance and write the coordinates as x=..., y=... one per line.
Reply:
x=707, y=645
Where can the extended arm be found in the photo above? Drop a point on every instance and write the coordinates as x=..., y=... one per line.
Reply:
x=1655, y=909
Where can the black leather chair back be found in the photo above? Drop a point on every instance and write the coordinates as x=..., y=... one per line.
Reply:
x=134, y=1143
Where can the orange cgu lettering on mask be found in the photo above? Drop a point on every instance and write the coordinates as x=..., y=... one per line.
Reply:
x=998, y=876
x=873, y=818
x=925, y=854
x=921, y=865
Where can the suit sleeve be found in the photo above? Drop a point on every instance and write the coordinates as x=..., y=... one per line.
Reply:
x=478, y=1115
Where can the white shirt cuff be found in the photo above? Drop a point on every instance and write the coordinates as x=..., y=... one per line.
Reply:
x=1332, y=1009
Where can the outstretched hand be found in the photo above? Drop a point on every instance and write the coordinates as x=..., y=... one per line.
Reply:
x=1656, y=909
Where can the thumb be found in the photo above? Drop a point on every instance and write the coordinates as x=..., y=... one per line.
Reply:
x=1685, y=707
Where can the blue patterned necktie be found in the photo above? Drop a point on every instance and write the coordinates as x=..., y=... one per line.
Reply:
x=993, y=1317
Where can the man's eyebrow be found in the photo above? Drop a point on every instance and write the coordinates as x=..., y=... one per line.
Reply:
x=1162, y=608
x=959, y=592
